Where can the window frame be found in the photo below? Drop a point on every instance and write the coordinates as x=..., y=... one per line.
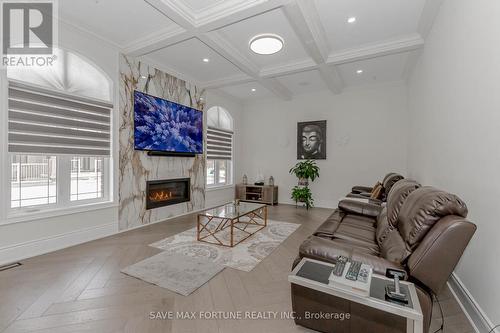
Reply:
x=63, y=205
x=63, y=188
x=229, y=163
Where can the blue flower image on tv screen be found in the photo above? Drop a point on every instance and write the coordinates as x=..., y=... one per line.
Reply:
x=161, y=125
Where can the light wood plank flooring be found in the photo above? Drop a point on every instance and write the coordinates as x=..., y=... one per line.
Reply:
x=81, y=289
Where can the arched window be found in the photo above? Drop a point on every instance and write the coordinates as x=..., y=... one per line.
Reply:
x=59, y=133
x=219, y=147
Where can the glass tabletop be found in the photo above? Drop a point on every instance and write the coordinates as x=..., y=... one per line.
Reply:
x=231, y=211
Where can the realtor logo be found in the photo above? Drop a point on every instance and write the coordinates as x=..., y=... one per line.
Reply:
x=28, y=28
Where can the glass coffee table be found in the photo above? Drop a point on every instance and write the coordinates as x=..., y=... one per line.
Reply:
x=230, y=224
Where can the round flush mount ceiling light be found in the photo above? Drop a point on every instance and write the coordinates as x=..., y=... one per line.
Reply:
x=206, y=60
x=351, y=19
x=359, y=71
x=266, y=44
x=253, y=89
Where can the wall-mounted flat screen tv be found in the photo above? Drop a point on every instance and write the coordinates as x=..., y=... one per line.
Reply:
x=164, y=126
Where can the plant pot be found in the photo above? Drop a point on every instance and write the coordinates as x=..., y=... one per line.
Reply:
x=303, y=182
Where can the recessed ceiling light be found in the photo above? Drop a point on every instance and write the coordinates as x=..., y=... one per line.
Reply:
x=143, y=77
x=206, y=60
x=253, y=89
x=266, y=44
x=359, y=71
x=351, y=19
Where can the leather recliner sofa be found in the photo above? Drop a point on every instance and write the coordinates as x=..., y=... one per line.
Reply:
x=421, y=230
x=365, y=191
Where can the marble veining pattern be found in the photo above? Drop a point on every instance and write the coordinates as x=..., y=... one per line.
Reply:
x=136, y=167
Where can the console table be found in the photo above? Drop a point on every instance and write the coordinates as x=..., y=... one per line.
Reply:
x=310, y=281
x=257, y=193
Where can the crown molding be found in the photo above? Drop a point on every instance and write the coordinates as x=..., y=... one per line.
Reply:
x=170, y=71
x=288, y=68
x=231, y=80
x=175, y=11
x=157, y=40
x=403, y=44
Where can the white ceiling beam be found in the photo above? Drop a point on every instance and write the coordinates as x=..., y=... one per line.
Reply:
x=332, y=78
x=405, y=44
x=428, y=16
x=189, y=27
x=156, y=41
x=425, y=23
x=305, y=21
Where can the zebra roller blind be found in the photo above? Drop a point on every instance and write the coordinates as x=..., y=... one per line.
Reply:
x=219, y=144
x=44, y=121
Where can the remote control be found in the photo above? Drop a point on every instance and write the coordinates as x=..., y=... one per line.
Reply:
x=338, y=270
x=352, y=272
x=363, y=275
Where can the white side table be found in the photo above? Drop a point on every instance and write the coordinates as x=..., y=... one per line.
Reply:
x=304, y=275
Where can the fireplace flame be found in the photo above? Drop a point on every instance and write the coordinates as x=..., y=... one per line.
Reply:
x=160, y=196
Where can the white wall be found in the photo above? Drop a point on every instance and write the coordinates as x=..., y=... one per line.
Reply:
x=43, y=233
x=366, y=138
x=454, y=103
x=220, y=196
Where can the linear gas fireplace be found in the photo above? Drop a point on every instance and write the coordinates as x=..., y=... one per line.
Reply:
x=161, y=193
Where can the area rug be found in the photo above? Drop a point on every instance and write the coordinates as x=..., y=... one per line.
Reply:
x=179, y=273
x=244, y=256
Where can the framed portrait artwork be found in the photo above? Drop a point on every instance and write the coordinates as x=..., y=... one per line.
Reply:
x=311, y=140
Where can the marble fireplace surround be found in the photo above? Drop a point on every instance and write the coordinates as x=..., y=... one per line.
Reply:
x=136, y=167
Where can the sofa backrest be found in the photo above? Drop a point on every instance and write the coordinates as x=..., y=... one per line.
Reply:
x=389, y=181
x=392, y=246
x=397, y=197
x=422, y=209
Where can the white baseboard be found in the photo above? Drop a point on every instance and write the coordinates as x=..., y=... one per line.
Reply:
x=18, y=252
x=477, y=317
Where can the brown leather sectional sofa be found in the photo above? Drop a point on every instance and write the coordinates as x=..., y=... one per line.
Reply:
x=421, y=230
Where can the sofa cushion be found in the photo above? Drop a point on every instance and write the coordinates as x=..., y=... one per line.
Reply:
x=422, y=209
x=328, y=228
x=357, y=231
x=396, y=198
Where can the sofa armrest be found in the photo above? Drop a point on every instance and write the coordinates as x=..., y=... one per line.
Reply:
x=360, y=208
x=361, y=196
x=360, y=189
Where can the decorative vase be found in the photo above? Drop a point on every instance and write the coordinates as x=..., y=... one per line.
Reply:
x=271, y=181
x=245, y=180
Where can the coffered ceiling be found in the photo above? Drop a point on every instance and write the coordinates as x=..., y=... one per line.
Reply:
x=207, y=41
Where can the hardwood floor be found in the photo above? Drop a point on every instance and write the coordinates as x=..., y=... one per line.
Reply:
x=81, y=289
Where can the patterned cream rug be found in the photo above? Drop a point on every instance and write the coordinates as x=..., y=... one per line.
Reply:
x=244, y=256
x=179, y=273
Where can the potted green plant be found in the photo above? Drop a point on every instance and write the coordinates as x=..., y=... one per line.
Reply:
x=302, y=194
x=304, y=171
